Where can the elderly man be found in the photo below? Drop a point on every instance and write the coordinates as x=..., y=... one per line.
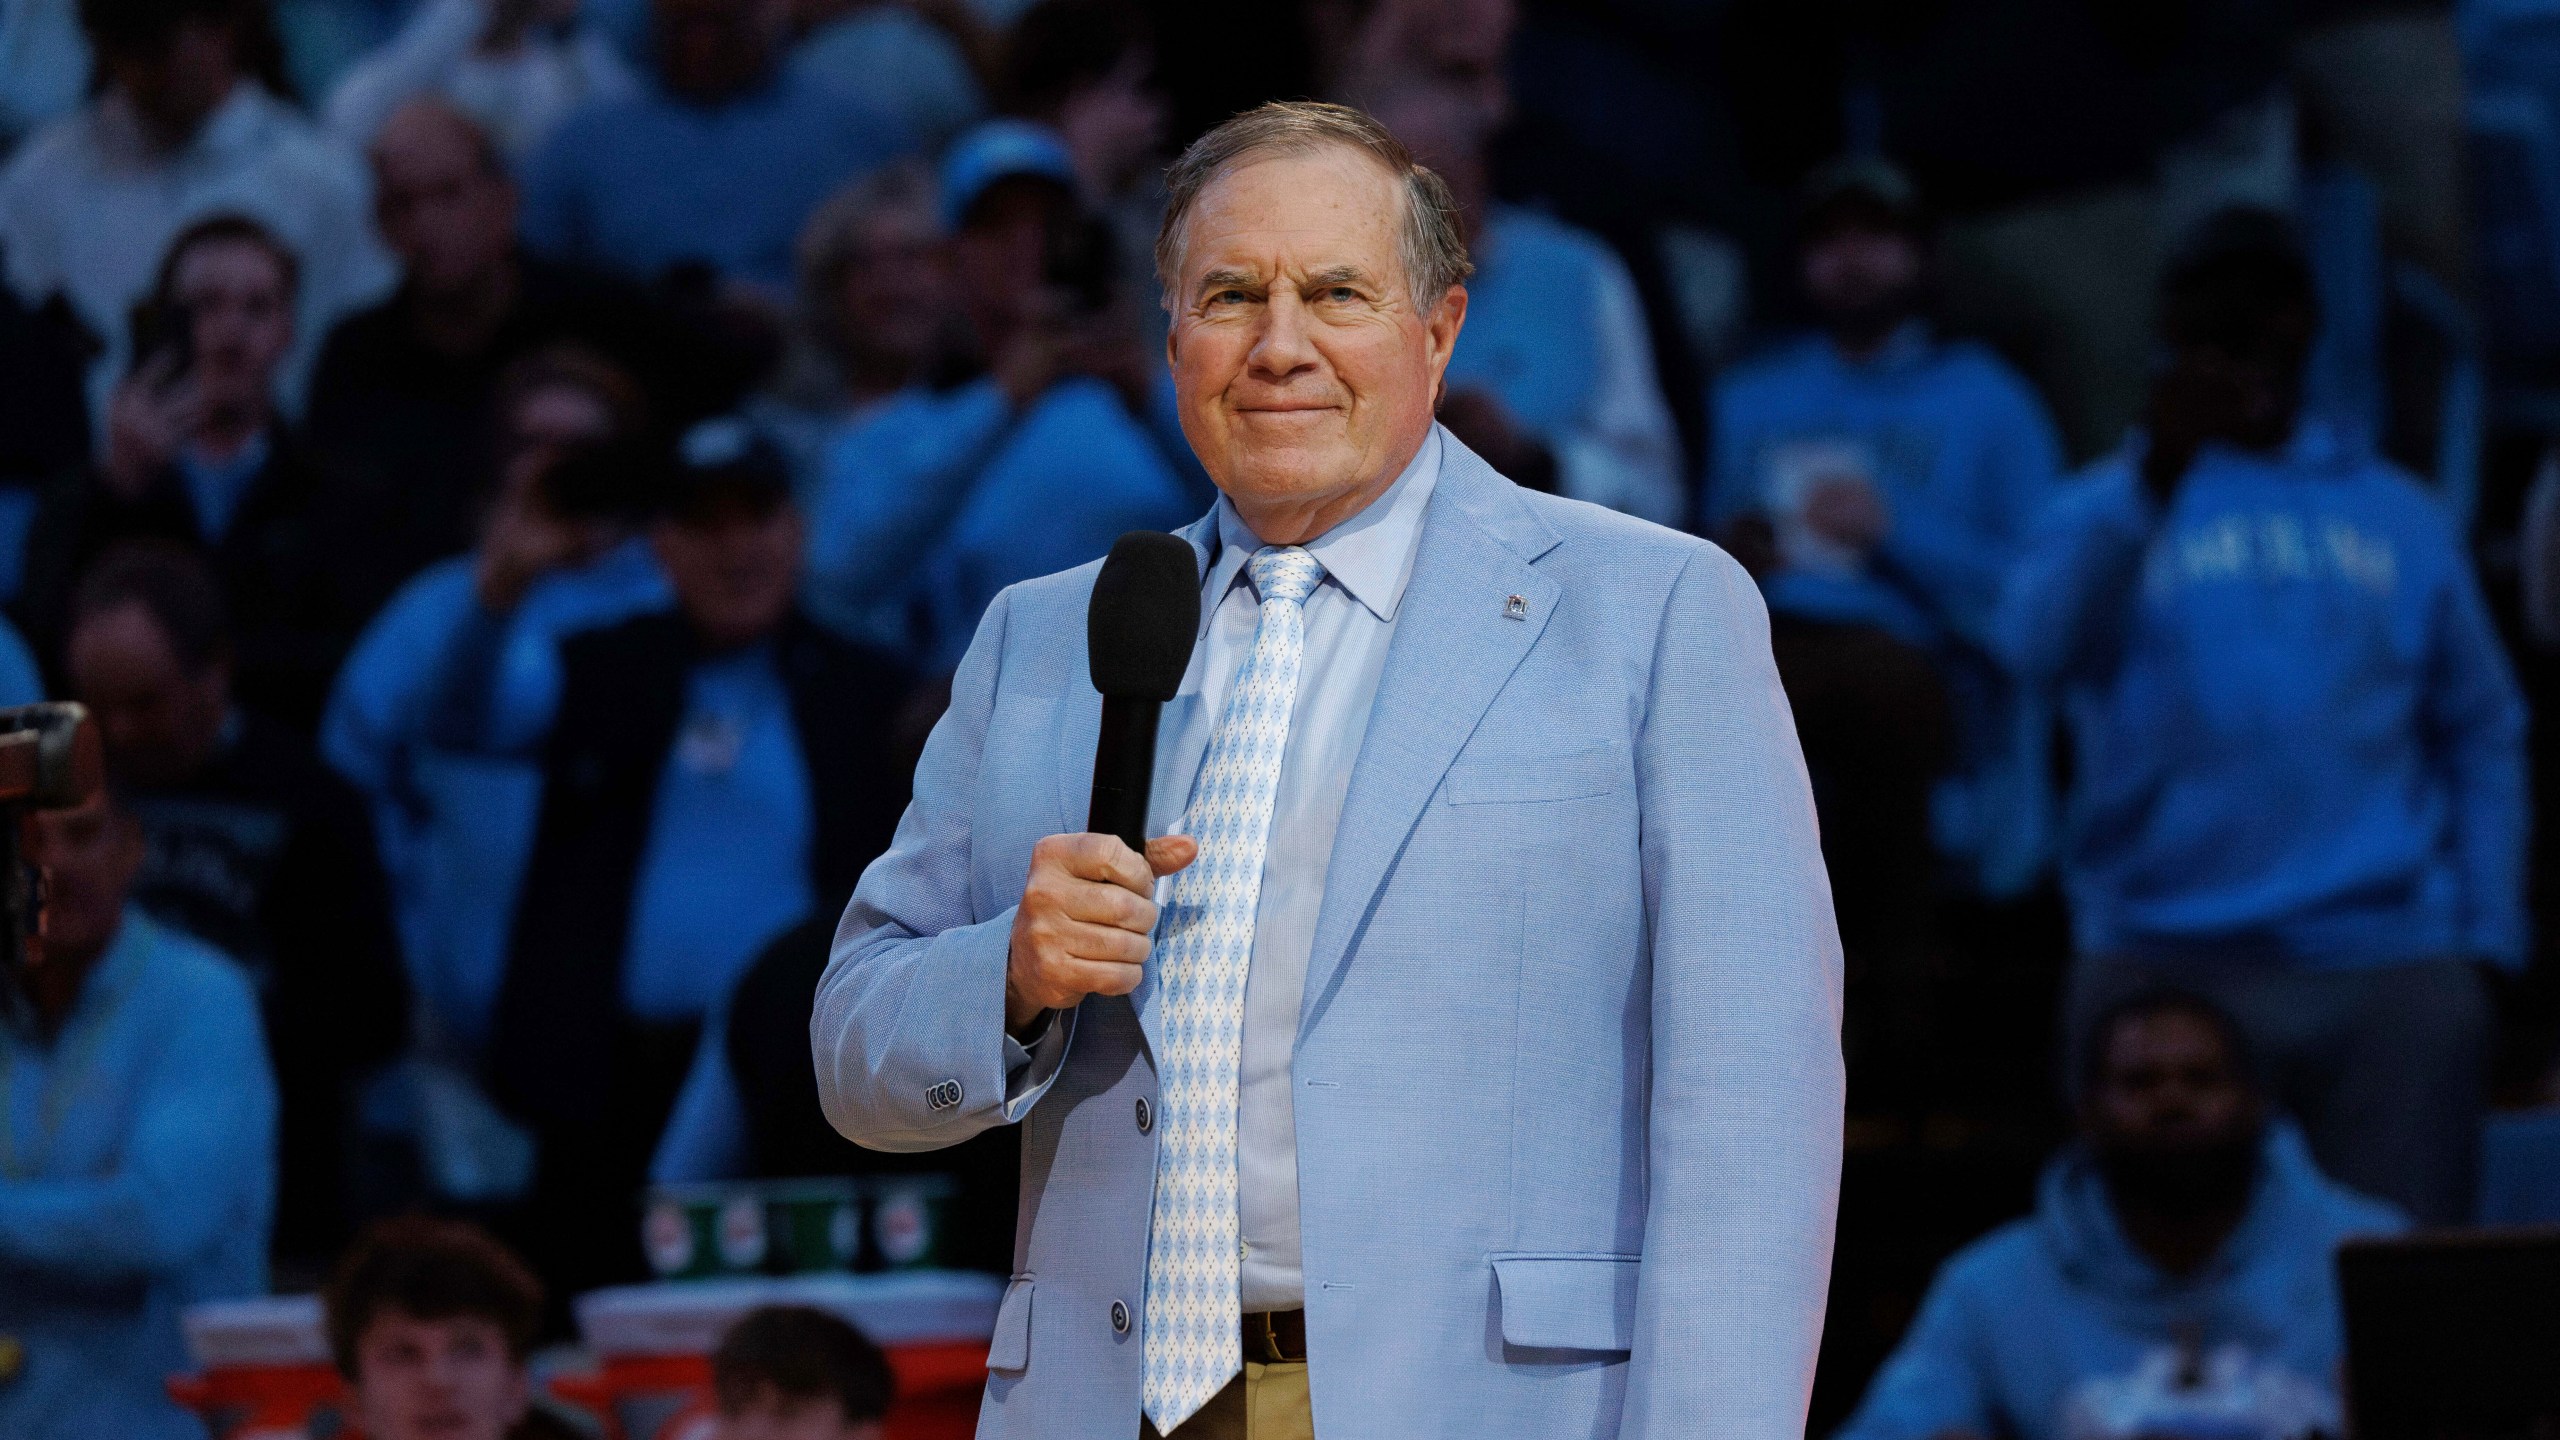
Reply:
x=1486, y=1081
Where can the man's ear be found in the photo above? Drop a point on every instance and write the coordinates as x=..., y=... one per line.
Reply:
x=1443, y=324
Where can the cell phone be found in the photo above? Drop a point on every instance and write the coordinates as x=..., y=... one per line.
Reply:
x=1083, y=262
x=163, y=328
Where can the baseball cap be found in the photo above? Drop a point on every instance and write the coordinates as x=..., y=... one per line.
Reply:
x=999, y=150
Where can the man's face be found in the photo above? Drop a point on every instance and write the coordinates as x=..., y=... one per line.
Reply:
x=1305, y=376
x=1000, y=258
x=158, y=720
x=544, y=424
x=450, y=1379
x=709, y=50
x=89, y=857
x=733, y=569
x=175, y=85
x=241, y=305
x=771, y=1415
x=895, y=289
x=441, y=209
x=2174, y=1122
x=1862, y=277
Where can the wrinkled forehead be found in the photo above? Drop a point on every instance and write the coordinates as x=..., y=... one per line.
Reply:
x=1329, y=208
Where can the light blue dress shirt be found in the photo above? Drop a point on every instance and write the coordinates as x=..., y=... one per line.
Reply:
x=1348, y=621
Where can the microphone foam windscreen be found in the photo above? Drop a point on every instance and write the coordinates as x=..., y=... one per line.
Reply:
x=1144, y=615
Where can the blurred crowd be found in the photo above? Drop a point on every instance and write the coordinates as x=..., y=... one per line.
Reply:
x=511, y=480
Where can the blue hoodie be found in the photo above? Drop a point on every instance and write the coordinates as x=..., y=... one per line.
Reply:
x=2297, y=735
x=1966, y=459
x=2056, y=1328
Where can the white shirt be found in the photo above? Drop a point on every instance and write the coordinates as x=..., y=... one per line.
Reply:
x=518, y=96
x=89, y=205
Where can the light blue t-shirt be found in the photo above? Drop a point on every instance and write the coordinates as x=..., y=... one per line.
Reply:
x=935, y=501
x=1965, y=458
x=216, y=487
x=640, y=184
x=455, y=825
x=137, y=1177
x=727, y=864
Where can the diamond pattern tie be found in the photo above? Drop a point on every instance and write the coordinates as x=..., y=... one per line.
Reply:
x=1205, y=941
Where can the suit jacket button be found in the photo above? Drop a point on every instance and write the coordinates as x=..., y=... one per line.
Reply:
x=1119, y=1318
x=1146, y=1116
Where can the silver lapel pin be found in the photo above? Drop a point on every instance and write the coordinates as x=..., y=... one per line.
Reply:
x=1516, y=607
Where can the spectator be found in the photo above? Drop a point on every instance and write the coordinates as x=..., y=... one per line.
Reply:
x=517, y=68
x=943, y=497
x=897, y=57
x=749, y=1111
x=145, y=1180
x=188, y=123
x=1086, y=70
x=2298, y=744
x=1553, y=383
x=791, y=1372
x=875, y=312
x=711, y=777
x=1881, y=478
x=400, y=401
x=250, y=846
x=457, y=825
x=717, y=162
x=197, y=452
x=431, y=1322
x=2176, y=1278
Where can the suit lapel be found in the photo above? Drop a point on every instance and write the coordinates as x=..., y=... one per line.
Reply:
x=1457, y=642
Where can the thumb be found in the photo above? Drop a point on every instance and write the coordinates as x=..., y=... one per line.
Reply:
x=1168, y=853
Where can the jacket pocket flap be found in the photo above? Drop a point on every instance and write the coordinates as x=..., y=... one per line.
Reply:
x=1517, y=779
x=1568, y=1302
x=1010, y=1347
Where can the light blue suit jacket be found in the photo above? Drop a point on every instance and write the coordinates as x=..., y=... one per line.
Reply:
x=1568, y=1072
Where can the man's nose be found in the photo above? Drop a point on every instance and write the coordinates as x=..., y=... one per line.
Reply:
x=1285, y=345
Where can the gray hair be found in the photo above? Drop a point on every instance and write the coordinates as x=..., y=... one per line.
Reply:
x=1434, y=255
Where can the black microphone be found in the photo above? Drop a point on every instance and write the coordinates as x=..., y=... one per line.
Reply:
x=1138, y=631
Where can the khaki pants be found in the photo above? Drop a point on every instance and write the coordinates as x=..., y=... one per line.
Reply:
x=1266, y=1402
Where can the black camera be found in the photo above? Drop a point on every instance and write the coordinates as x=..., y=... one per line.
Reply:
x=49, y=760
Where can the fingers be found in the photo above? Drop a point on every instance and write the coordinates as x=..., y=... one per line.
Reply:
x=1106, y=858
x=1169, y=853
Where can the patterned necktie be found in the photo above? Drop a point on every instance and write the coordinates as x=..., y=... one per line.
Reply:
x=1205, y=943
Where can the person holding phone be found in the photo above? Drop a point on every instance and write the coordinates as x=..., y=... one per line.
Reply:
x=197, y=450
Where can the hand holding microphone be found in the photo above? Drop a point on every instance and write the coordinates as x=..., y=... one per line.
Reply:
x=1088, y=905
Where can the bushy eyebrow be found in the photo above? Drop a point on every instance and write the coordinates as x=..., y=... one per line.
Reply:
x=1229, y=279
x=1340, y=275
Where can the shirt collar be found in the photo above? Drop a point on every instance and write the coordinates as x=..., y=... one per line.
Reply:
x=1369, y=555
